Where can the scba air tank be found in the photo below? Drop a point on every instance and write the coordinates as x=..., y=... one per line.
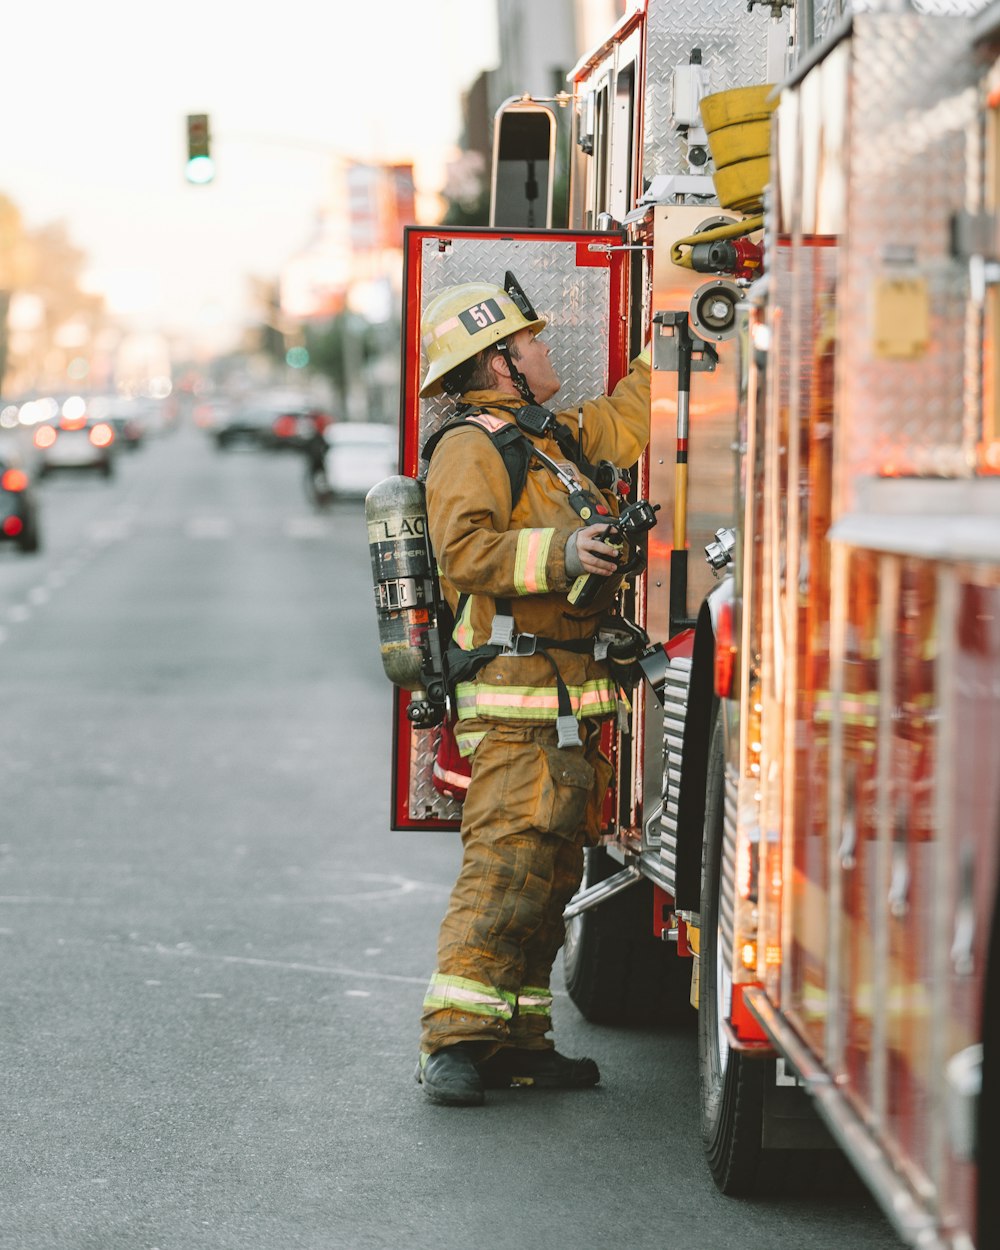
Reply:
x=406, y=595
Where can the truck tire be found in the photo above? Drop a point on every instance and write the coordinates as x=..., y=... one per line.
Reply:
x=616, y=970
x=731, y=1085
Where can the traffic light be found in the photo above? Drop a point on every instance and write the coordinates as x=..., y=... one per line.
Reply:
x=200, y=167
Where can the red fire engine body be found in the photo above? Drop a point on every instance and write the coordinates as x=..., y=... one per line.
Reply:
x=802, y=840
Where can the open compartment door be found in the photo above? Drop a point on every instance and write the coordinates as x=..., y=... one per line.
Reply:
x=577, y=280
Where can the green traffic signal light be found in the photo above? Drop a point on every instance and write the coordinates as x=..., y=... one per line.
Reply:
x=200, y=166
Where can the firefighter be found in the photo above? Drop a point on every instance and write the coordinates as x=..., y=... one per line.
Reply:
x=530, y=719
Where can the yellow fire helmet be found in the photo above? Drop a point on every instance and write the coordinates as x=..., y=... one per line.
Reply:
x=461, y=320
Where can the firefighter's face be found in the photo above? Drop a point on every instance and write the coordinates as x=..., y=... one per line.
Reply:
x=531, y=355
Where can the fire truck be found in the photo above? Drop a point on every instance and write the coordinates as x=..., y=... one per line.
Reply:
x=800, y=207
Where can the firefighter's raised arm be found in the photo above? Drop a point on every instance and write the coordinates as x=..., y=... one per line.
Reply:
x=615, y=427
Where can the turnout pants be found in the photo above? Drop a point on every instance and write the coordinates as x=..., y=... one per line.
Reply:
x=530, y=810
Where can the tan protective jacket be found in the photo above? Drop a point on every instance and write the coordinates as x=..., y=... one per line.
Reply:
x=487, y=550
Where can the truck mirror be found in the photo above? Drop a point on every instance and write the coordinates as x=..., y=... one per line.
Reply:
x=524, y=145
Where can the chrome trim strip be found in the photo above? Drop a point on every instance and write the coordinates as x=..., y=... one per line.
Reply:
x=583, y=900
x=914, y=1223
x=675, y=702
x=888, y=608
x=947, y=856
x=834, y=1030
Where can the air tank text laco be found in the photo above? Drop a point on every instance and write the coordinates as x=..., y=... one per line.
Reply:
x=403, y=527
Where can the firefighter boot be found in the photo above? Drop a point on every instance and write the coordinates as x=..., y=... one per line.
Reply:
x=450, y=1077
x=538, y=1069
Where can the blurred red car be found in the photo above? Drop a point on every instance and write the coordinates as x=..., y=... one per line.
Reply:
x=270, y=424
x=18, y=508
x=298, y=427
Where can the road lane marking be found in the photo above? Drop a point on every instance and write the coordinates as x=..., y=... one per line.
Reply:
x=184, y=950
x=307, y=527
x=330, y=970
x=209, y=527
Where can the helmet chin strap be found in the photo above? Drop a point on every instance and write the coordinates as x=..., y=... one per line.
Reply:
x=516, y=376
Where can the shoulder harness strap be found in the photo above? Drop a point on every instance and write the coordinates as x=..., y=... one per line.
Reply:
x=513, y=445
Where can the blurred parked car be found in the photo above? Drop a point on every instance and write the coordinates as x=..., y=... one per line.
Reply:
x=295, y=428
x=18, y=507
x=269, y=424
x=67, y=435
x=212, y=413
x=246, y=423
x=357, y=456
x=127, y=417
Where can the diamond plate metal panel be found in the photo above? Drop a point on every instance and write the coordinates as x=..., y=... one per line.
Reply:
x=576, y=302
x=733, y=44
x=927, y=8
x=826, y=15
x=912, y=127
x=426, y=803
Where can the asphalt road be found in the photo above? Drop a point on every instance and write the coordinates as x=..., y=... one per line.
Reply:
x=213, y=953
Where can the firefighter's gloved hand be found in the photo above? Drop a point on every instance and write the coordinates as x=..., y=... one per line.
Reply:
x=587, y=552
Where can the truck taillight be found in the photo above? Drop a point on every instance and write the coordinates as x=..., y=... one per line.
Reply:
x=745, y=953
x=725, y=652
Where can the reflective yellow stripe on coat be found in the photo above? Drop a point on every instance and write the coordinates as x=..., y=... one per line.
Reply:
x=534, y=703
x=529, y=563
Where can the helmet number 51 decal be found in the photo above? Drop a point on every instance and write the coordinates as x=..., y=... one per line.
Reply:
x=481, y=316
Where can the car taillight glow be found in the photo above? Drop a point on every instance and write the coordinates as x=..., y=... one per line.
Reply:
x=12, y=526
x=45, y=436
x=73, y=423
x=14, y=480
x=102, y=435
x=285, y=426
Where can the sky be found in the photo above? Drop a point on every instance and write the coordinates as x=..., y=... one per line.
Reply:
x=95, y=97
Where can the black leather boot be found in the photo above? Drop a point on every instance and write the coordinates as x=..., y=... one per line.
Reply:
x=538, y=1069
x=450, y=1076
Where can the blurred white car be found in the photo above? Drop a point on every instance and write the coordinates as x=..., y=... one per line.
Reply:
x=358, y=456
x=67, y=435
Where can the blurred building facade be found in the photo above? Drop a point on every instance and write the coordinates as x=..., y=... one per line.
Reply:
x=350, y=271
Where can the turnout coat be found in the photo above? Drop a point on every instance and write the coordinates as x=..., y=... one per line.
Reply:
x=488, y=549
